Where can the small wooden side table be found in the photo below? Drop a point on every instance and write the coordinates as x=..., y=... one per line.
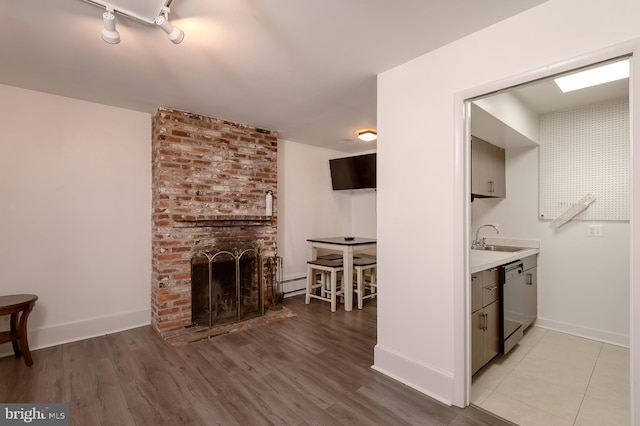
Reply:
x=19, y=306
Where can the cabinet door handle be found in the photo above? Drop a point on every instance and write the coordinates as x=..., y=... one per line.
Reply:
x=529, y=279
x=491, y=288
x=485, y=327
x=491, y=186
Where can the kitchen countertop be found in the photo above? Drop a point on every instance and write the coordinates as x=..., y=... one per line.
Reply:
x=479, y=260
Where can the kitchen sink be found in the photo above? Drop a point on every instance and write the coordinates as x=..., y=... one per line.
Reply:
x=509, y=249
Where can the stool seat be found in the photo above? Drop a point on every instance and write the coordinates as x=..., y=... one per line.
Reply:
x=364, y=261
x=327, y=263
x=331, y=256
x=19, y=306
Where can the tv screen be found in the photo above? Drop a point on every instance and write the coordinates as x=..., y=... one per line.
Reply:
x=356, y=172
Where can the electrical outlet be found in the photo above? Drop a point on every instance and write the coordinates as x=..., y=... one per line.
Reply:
x=594, y=230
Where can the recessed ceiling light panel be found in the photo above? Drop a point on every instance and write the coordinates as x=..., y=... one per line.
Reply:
x=594, y=76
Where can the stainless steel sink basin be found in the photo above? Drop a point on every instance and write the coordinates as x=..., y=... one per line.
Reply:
x=509, y=249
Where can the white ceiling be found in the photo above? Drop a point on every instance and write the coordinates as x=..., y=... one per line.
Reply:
x=303, y=68
x=546, y=96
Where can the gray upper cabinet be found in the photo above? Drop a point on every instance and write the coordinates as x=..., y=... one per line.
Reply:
x=487, y=169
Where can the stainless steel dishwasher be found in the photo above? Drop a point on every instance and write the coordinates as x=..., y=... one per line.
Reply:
x=512, y=305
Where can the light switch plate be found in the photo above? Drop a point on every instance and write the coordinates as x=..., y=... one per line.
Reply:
x=594, y=230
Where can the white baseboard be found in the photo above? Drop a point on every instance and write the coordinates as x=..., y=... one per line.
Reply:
x=586, y=332
x=80, y=330
x=430, y=381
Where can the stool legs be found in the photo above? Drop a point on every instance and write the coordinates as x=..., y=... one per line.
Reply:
x=310, y=279
x=361, y=286
x=14, y=329
x=18, y=325
x=334, y=287
x=24, y=343
x=328, y=285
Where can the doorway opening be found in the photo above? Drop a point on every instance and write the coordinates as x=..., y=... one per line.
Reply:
x=585, y=264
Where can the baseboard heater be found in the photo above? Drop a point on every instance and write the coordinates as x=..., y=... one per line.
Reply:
x=289, y=289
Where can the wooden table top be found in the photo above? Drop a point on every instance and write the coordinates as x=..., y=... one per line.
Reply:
x=15, y=300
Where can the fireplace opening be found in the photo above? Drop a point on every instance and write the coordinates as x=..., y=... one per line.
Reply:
x=226, y=287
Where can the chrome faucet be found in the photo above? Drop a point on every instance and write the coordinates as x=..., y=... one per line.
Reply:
x=477, y=243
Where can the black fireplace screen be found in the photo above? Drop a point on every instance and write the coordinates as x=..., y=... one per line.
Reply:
x=226, y=287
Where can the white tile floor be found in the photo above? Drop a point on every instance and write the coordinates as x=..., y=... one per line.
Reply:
x=553, y=378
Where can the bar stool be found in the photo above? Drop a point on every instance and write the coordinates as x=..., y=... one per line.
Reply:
x=19, y=306
x=362, y=285
x=328, y=285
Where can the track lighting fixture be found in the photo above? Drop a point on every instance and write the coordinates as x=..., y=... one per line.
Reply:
x=175, y=34
x=150, y=12
x=109, y=32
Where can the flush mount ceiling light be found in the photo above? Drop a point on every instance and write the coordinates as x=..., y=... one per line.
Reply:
x=151, y=12
x=594, y=76
x=367, y=135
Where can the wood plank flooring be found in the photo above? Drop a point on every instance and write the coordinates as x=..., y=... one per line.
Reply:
x=312, y=369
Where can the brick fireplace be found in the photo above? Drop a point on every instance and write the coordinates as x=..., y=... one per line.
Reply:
x=209, y=185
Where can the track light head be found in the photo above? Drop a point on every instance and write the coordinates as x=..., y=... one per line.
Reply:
x=109, y=32
x=175, y=34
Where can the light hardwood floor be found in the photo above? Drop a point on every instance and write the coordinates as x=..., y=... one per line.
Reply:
x=312, y=369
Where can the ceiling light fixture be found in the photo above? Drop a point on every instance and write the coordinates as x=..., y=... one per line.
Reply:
x=109, y=32
x=367, y=135
x=175, y=34
x=150, y=12
x=594, y=76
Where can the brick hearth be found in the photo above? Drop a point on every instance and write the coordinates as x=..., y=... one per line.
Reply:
x=210, y=179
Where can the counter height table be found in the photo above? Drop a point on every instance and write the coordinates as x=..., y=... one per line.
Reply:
x=347, y=245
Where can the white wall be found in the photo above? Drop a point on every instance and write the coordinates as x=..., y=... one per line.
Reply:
x=422, y=187
x=308, y=207
x=75, y=179
x=76, y=216
x=363, y=213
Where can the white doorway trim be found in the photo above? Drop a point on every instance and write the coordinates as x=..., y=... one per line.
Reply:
x=462, y=376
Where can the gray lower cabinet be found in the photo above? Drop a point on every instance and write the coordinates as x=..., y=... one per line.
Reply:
x=485, y=318
x=530, y=290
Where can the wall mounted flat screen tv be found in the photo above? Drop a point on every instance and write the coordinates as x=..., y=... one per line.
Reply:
x=358, y=172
